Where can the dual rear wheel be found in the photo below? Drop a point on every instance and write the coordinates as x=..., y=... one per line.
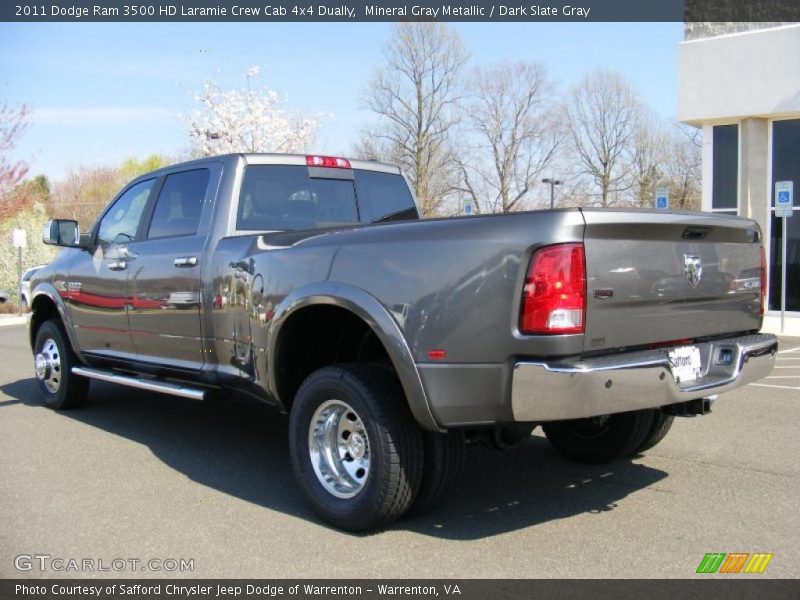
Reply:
x=609, y=437
x=362, y=461
x=358, y=455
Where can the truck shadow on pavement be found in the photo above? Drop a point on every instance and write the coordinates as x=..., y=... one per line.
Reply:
x=239, y=447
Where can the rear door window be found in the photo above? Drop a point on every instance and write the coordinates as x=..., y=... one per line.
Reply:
x=180, y=204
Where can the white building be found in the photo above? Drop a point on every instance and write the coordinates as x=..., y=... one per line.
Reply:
x=740, y=82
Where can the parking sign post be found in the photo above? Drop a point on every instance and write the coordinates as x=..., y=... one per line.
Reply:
x=784, y=205
x=19, y=240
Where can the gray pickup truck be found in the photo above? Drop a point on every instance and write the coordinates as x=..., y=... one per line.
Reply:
x=311, y=283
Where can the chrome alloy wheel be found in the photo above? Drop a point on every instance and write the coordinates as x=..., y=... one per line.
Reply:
x=47, y=365
x=339, y=448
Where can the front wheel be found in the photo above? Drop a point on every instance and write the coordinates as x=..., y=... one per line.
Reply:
x=600, y=439
x=53, y=361
x=356, y=450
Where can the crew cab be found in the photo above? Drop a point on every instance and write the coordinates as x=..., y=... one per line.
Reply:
x=311, y=283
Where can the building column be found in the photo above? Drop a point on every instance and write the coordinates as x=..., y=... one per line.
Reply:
x=754, y=185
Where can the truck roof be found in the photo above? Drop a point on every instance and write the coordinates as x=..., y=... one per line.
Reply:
x=254, y=158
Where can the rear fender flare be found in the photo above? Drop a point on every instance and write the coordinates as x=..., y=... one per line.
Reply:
x=375, y=315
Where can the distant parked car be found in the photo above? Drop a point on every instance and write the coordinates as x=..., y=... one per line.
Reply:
x=4, y=296
x=25, y=285
x=183, y=300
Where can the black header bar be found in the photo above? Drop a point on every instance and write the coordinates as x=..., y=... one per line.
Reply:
x=398, y=589
x=399, y=10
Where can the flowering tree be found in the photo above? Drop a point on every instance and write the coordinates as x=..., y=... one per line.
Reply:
x=13, y=123
x=247, y=120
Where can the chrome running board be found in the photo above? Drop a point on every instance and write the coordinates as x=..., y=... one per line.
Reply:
x=143, y=384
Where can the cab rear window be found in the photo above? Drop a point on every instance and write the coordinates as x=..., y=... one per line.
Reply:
x=383, y=197
x=284, y=197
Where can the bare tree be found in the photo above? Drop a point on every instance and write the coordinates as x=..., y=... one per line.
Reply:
x=600, y=112
x=83, y=193
x=415, y=95
x=247, y=120
x=649, y=152
x=684, y=166
x=13, y=124
x=511, y=116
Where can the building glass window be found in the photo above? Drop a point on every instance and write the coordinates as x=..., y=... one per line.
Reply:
x=785, y=167
x=724, y=195
x=725, y=168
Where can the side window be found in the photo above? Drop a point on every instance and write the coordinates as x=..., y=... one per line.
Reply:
x=179, y=204
x=120, y=223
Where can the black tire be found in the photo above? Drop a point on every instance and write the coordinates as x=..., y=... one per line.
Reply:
x=600, y=440
x=445, y=457
x=662, y=423
x=393, y=439
x=61, y=389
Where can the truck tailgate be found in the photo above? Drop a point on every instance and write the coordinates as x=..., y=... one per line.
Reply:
x=656, y=277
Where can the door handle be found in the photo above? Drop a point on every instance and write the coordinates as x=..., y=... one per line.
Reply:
x=117, y=265
x=185, y=261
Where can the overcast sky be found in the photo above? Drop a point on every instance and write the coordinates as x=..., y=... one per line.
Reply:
x=101, y=93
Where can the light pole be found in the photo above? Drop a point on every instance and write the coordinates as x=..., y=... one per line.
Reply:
x=553, y=183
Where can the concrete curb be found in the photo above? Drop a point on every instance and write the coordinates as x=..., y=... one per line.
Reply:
x=13, y=320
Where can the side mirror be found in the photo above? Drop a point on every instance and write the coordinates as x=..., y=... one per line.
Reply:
x=62, y=232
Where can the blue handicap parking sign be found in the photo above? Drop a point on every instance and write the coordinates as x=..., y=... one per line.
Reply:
x=661, y=202
x=783, y=199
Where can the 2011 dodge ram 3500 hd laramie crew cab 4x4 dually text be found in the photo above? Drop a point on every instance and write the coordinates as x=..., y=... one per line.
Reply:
x=311, y=283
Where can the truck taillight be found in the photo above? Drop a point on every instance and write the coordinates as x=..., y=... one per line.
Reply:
x=554, y=296
x=327, y=161
x=763, y=281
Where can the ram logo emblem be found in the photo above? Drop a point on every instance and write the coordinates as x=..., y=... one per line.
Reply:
x=692, y=269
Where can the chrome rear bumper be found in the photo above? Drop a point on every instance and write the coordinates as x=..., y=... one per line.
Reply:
x=557, y=390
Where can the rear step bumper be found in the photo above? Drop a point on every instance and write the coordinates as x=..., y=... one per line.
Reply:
x=151, y=385
x=558, y=390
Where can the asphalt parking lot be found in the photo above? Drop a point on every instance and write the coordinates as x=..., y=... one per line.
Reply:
x=142, y=476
